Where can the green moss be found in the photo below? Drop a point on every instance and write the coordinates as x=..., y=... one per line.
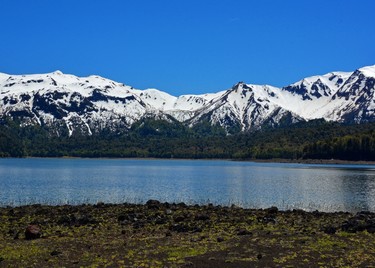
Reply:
x=286, y=258
x=23, y=251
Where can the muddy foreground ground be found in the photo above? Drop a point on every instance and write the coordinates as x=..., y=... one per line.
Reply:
x=176, y=235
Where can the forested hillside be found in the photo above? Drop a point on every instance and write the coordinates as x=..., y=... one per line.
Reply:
x=316, y=139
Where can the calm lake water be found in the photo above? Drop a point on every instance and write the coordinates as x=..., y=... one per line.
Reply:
x=247, y=184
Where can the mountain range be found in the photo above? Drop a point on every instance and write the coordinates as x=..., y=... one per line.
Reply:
x=88, y=105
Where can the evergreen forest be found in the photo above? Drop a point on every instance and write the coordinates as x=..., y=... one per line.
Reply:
x=150, y=138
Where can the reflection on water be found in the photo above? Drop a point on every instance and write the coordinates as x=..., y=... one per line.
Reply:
x=257, y=185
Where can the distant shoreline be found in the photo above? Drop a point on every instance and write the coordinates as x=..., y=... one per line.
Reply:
x=273, y=160
x=315, y=161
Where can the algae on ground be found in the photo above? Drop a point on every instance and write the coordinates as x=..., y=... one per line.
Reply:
x=175, y=235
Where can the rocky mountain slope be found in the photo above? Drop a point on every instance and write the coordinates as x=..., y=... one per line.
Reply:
x=92, y=104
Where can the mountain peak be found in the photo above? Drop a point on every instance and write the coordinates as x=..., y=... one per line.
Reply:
x=239, y=84
x=368, y=70
x=91, y=104
x=58, y=72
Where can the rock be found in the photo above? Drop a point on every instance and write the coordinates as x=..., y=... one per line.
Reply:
x=182, y=205
x=99, y=205
x=196, y=229
x=16, y=236
x=179, y=218
x=317, y=213
x=138, y=225
x=371, y=226
x=179, y=228
x=55, y=253
x=160, y=220
x=329, y=230
x=85, y=219
x=299, y=212
x=153, y=204
x=269, y=220
x=70, y=220
x=32, y=232
x=244, y=232
x=11, y=212
x=202, y=217
x=168, y=211
x=122, y=218
x=67, y=220
x=363, y=220
x=272, y=210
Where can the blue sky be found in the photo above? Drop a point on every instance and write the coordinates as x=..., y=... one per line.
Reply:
x=185, y=47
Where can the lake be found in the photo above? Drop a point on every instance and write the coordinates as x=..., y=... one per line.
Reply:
x=246, y=184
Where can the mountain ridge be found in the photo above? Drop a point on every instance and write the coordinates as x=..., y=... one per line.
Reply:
x=90, y=104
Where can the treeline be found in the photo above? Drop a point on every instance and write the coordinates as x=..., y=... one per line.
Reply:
x=349, y=147
x=161, y=139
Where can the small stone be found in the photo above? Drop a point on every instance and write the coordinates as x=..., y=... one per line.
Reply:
x=329, y=230
x=182, y=205
x=100, y=205
x=179, y=218
x=269, y=220
x=121, y=218
x=196, y=230
x=55, y=253
x=244, y=232
x=160, y=220
x=16, y=236
x=168, y=234
x=179, y=228
x=32, y=232
x=202, y=217
x=153, y=204
x=272, y=210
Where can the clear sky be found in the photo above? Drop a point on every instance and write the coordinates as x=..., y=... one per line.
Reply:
x=187, y=47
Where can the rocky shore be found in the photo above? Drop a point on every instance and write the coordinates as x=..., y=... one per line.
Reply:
x=176, y=235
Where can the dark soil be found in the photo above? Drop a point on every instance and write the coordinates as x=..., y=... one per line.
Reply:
x=177, y=235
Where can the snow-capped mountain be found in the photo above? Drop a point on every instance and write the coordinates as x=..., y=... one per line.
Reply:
x=91, y=104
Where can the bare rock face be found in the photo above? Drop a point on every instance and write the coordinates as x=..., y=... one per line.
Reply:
x=32, y=232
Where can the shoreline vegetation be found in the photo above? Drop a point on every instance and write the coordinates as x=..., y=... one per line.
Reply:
x=270, y=160
x=315, y=161
x=158, y=234
x=313, y=141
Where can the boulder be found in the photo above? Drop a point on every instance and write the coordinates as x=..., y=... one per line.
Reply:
x=153, y=204
x=244, y=232
x=202, y=217
x=32, y=232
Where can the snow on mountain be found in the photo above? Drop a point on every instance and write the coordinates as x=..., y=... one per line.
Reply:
x=354, y=101
x=91, y=104
x=368, y=71
x=243, y=107
x=308, y=96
